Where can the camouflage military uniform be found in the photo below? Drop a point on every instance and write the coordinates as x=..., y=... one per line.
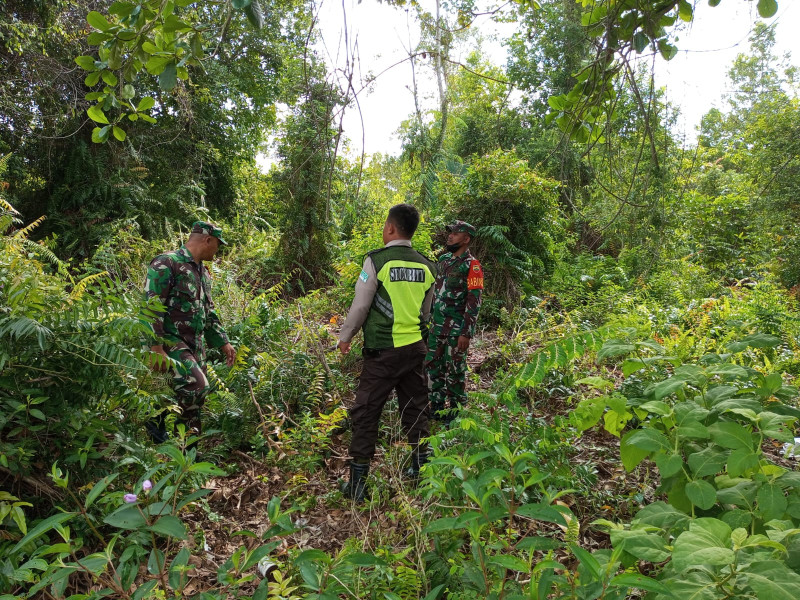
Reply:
x=186, y=326
x=457, y=300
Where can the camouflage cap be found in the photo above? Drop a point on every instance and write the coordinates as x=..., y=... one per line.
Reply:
x=207, y=228
x=459, y=226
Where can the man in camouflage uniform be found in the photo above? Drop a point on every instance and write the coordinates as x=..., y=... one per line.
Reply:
x=182, y=284
x=457, y=300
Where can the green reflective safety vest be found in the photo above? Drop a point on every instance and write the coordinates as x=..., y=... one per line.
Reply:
x=395, y=317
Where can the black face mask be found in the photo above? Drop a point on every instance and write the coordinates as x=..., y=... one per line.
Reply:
x=452, y=247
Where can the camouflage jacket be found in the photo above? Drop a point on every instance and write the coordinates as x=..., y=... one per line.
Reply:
x=457, y=295
x=184, y=288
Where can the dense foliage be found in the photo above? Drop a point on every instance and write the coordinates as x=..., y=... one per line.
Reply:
x=633, y=389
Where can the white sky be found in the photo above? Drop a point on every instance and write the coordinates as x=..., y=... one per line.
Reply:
x=695, y=79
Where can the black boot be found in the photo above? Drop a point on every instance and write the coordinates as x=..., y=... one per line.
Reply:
x=419, y=457
x=157, y=428
x=355, y=489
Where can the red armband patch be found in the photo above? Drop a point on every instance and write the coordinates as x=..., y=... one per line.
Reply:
x=475, y=276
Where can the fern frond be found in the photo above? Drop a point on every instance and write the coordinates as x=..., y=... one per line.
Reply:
x=27, y=230
x=19, y=328
x=80, y=287
x=39, y=250
x=7, y=207
x=557, y=354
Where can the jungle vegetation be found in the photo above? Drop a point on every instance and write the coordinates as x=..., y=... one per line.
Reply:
x=633, y=390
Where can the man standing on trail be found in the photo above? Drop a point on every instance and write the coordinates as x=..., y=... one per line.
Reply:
x=457, y=300
x=392, y=303
x=182, y=284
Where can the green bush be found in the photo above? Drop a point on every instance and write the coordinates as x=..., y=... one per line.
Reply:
x=516, y=213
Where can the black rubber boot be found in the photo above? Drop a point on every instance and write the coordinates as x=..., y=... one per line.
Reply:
x=157, y=428
x=418, y=458
x=355, y=489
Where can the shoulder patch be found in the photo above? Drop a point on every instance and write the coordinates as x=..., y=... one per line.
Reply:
x=475, y=275
x=364, y=276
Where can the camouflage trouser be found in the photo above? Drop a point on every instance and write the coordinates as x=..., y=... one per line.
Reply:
x=190, y=382
x=447, y=368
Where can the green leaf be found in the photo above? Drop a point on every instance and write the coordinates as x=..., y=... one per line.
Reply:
x=772, y=502
x=737, y=518
x=98, y=21
x=143, y=591
x=742, y=460
x=641, y=544
x=121, y=9
x=258, y=554
x=741, y=494
x=207, y=468
x=97, y=37
x=707, y=462
x=96, y=114
x=701, y=493
x=588, y=412
x=714, y=2
x=100, y=135
x=666, y=388
x=109, y=78
x=767, y=8
x=98, y=489
x=587, y=560
x=615, y=421
x=542, y=512
x=613, y=348
x=668, y=464
x=776, y=426
x=119, y=133
x=656, y=407
x=146, y=103
x=512, y=563
x=177, y=575
x=685, y=11
x=693, y=430
x=774, y=580
x=168, y=77
x=169, y=525
x=37, y=414
x=434, y=593
x=173, y=23
x=557, y=102
x=731, y=435
x=662, y=515
x=729, y=371
x=126, y=517
x=86, y=63
x=635, y=580
x=92, y=79
x=706, y=543
x=640, y=42
x=631, y=455
x=46, y=525
x=255, y=14
x=649, y=439
x=156, y=562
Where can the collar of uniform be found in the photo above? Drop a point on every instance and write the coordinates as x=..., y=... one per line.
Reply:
x=406, y=243
x=184, y=253
x=451, y=256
